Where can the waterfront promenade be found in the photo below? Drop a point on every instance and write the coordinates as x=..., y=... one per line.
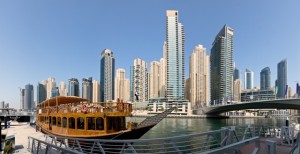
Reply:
x=22, y=132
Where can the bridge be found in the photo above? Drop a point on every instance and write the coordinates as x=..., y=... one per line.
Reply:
x=261, y=104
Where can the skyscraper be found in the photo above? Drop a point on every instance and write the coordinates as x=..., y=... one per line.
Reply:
x=237, y=84
x=249, y=79
x=41, y=91
x=96, y=91
x=73, y=87
x=221, y=67
x=174, y=56
x=87, y=88
x=107, y=75
x=199, y=77
x=51, y=84
x=154, y=79
x=139, y=80
x=28, y=98
x=63, y=89
x=265, y=79
x=236, y=73
x=122, y=85
x=22, y=97
x=162, y=73
x=282, y=78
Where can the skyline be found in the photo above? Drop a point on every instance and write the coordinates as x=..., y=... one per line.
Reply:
x=65, y=40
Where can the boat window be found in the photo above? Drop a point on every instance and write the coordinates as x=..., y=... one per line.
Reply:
x=80, y=123
x=54, y=121
x=100, y=123
x=91, y=123
x=59, y=122
x=72, y=122
x=64, y=122
x=109, y=121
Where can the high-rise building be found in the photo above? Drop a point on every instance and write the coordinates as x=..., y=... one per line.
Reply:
x=41, y=92
x=174, y=56
x=154, y=79
x=96, y=91
x=107, y=75
x=63, y=89
x=122, y=85
x=249, y=79
x=22, y=97
x=237, y=90
x=265, y=79
x=282, y=79
x=51, y=84
x=28, y=98
x=73, y=87
x=139, y=80
x=162, y=73
x=55, y=92
x=87, y=88
x=221, y=68
x=199, y=77
x=187, y=89
x=236, y=74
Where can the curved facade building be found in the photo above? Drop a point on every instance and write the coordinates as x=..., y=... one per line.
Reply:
x=249, y=79
x=282, y=79
x=28, y=97
x=265, y=79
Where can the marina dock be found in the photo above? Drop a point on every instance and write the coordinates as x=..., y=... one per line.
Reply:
x=244, y=141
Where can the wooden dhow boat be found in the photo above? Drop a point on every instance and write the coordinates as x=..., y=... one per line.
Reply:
x=72, y=116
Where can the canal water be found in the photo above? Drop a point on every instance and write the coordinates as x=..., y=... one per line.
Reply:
x=182, y=126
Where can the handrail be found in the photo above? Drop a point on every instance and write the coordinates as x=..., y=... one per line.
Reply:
x=49, y=148
x=226, y=139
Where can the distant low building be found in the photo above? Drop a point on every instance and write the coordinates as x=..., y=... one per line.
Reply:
x=158, y=105
x=256, y=95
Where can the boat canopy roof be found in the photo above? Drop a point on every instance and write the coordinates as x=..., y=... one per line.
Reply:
x=62, y=100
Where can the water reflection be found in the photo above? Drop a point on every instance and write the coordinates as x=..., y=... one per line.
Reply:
x=182, y=126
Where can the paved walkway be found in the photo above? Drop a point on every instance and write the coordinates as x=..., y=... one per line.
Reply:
x=280, y=149
x=21, y=133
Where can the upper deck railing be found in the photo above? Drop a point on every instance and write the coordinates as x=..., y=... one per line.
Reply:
x=104, y=107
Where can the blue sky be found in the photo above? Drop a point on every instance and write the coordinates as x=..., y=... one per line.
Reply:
x=64, y=39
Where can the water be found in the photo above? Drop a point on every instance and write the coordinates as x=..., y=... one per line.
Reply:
x=182, y=126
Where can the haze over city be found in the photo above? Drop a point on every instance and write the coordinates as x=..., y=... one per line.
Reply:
x=64, y=39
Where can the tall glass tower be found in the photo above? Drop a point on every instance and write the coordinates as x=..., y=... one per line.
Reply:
x=282, y=78
x=249, y=79
x=73, y=87
x=87, y=88
x=41, y=92
x=236, y=74
x=221, y=68
x=175, y=56
x=265, y=79
x=28, y=98
x=107, y=75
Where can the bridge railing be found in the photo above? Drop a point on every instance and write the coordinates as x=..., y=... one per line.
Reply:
x=225, y=139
